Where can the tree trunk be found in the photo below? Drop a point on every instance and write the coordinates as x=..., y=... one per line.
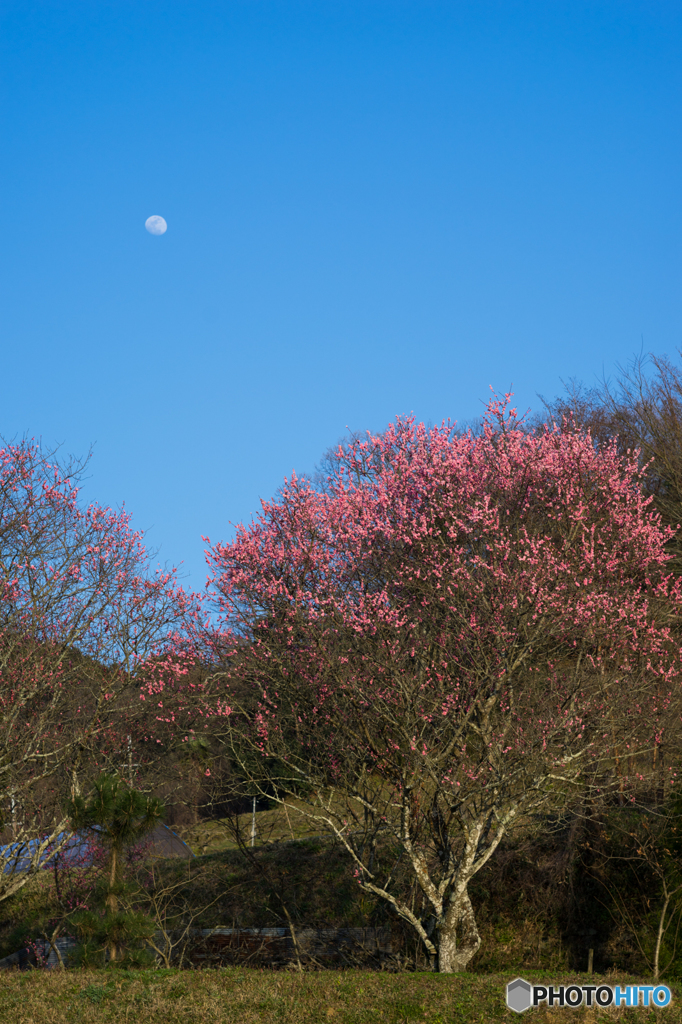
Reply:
x=458, y=937
x=659, y=937
x=112, y=899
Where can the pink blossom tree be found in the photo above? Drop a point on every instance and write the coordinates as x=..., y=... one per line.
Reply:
x=84, y=621
x=451, y=635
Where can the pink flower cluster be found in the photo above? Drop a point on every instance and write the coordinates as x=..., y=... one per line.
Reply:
x=509, y=587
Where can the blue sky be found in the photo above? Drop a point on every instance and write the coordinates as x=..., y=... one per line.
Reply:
x=374, y=208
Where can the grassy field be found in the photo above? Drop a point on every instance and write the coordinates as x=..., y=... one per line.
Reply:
x=313, y=881
x=249, y=996
x=277, y=824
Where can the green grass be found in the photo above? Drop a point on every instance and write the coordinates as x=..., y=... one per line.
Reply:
x=259, y=997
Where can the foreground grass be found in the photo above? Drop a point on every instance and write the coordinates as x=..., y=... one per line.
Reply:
x=249, y=996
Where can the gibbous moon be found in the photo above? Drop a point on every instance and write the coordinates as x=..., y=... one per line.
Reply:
x=156, y=225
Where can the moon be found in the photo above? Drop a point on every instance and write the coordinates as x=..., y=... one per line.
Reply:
x=156, y=225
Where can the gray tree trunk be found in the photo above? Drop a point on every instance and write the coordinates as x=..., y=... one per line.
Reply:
x=457, y=934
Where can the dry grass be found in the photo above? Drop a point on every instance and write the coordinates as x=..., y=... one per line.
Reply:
x=278, y=824
x=238, y=995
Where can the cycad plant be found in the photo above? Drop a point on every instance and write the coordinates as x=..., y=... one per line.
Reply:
x=118, y=817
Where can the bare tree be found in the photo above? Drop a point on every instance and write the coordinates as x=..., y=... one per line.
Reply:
x=172, y=905
x=641, y=409
x=639, y=867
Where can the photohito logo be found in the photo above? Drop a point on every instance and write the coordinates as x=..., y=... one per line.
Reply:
x=521, y=995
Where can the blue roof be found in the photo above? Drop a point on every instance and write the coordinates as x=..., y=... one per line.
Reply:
x=79, y=850
x=18, y=857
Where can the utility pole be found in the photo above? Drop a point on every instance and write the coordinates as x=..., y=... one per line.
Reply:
x=129, y=763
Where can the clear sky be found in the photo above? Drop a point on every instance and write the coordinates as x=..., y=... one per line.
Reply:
x=374, y=208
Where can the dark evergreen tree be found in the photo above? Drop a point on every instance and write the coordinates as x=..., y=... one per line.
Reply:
x=118, y=817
